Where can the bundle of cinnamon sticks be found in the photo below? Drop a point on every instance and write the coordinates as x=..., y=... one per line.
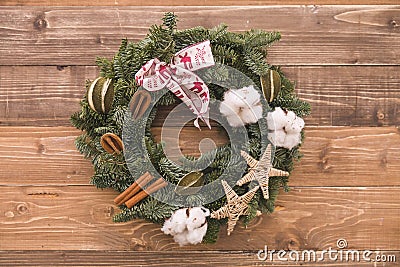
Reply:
x=134, y=193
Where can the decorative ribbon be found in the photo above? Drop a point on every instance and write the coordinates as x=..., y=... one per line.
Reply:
x=178, y=77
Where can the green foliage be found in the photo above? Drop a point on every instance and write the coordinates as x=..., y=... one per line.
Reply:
x=244, y=52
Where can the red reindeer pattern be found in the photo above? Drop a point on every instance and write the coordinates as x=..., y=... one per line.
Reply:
x=198, y=88
x=186, y=60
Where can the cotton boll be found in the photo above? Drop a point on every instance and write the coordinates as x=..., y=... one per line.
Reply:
x=167, y=227
x=234, y=120
x=296, y=126
x=227, y=110
x=197, y=217
x=181, y=238
x=251, y=115
x=233, y=99
x=187, y=225
x=177, y=222
x=277, y=137
x=276, y=119
x=290, y=116
x=292, y=140
x=241, y=106
x=196, y=236
x=249, y=95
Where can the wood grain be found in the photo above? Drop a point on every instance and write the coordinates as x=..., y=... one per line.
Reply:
x=333, y=156
x=79, y=217
x=312, y=35
x=339, y=95
x=45, y=95
x=349, y=156
x=345, y=60
x=42, y=156
x=192, y=2
x=163, y=258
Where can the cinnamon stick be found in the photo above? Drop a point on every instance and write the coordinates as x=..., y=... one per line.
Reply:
x=133, y=189
x=157, y=185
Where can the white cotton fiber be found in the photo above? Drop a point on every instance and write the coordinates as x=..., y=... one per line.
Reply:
x=181, y=238
x=233, y=99
x=241, y=106
x=197, y=217
x=285, y=128
x=292, y=140
x=295, y=126
x=277, y=137
x=228, y=110
x=234, y=120
x=276, y=119
x=196, y=235
x=187, y=225
x=249, y=95
x=177, y=222
x=252, y=115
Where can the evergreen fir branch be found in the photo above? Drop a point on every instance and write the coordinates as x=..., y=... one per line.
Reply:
x=170, y=20
x=224, y=55
x=170, y=171
x=86, y=146
x=259, y=38
x=218, y=32
x=291, y=102
x=252, y=209
x=255, y=60
x=187, y=37
x=213, y=227
x=106, y=67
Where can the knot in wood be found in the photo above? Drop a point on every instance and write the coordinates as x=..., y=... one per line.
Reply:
x=109, y=212
x=380, y=115
x=40, y=23
x=22, y=208
x=393, y=24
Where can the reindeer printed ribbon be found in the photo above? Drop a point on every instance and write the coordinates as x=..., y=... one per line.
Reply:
x=178, y=77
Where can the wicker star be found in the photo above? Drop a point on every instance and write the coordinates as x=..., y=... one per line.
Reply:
x=260, y=170
x=236, y=206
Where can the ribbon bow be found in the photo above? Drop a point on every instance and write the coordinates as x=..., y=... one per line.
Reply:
x=178, y=77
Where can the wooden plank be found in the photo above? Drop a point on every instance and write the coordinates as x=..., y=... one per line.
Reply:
x=349, y=156
x=41, y=95
x=311, y=34
x=163, y=258
x=339, y=95
x=192, y=2
x=42, y=156
x=365, y=96
x=79, y=217
x=333, y=156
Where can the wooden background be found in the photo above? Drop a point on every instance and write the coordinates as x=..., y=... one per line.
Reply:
x=345, y=59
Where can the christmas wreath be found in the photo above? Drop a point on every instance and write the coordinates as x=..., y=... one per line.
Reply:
x=218, y=75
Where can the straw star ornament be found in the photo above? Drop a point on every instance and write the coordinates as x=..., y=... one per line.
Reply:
x=260, y=170
x=236, y=206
